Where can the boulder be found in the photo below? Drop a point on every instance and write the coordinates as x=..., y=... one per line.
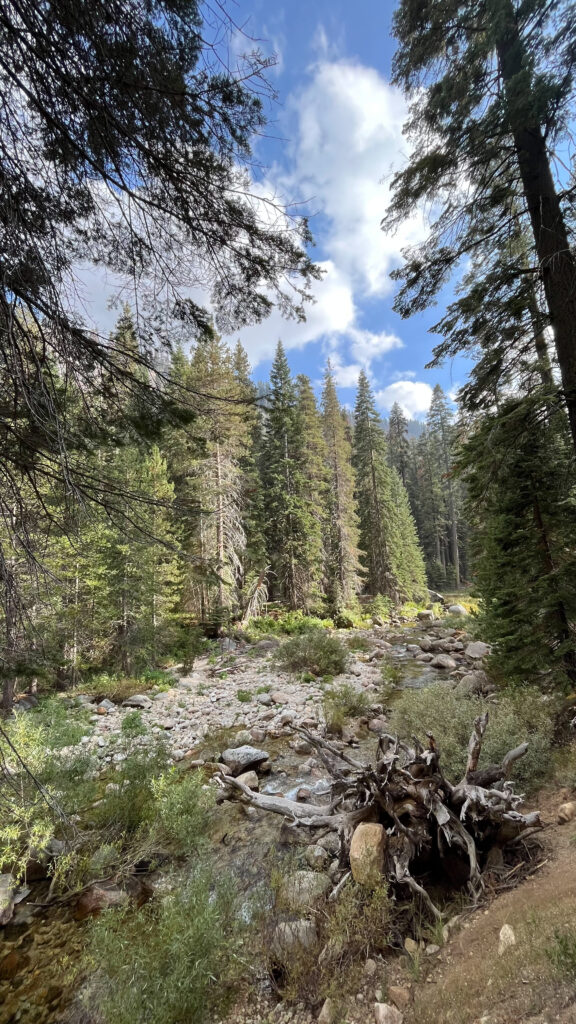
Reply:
x=250, y=779
x=435, y=597
x=7, y=890
x=329, y=1012
x=477, y=649
x=279, y=697
x=317, y=857
x=457, y=609
x=426, y=616
x=367, y=854
x=566, y=812
x=270, y=644
x=242, y=737
x=474, y=682
x=98, y=898
x=400, y=995
x=243, y=759
x=411, y=946
x=105, y=707
x=443, y=661
x=331, y=843
x=291, y=936
x=303, y=888
x=506, y=939
x=385, y=1013
x=137, y=700
x=426, y=644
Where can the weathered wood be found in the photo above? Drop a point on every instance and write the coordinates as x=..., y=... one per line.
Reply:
x=424, y=815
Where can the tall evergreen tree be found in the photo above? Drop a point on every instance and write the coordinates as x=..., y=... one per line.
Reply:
x=394, y=565
x=493, y=87
x=441, y=437
x=398, y=443
x=343, y=569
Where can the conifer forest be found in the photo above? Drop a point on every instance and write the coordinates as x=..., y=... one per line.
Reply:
x=287, y=512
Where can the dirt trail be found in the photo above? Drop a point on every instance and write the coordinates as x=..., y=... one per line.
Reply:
x=471, y=983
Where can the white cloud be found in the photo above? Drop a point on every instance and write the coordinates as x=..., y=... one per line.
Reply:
x=413, y=397
x=350, y=136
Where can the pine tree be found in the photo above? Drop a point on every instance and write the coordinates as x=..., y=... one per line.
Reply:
x=343, y=569
x=492, y=87
x=394, y=565
x=313, y=474
x=398, y=443
x=441, y=436
x=519, y=473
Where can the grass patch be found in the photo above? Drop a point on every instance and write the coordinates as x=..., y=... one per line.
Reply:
x=292, y=623
x=514, y=717
x=356, y=642
x=176, y=959
x=318, y=652
x=244, y=696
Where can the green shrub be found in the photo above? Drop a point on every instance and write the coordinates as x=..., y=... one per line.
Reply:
x=61, y=725
x=127, y=808
x=342, y=703
x=244, y=696
x=358, y=643
x=514, y=717
x=181, y=812
x=392, y=672
x=356, y=926
x=176, y=959
x=317, y=651
x=293, y=623
x=133, y=725
x=380, y=607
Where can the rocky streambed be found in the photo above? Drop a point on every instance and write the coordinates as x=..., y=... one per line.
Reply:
x=235, y=707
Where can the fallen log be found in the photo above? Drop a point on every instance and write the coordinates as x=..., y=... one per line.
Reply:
x=426, y=819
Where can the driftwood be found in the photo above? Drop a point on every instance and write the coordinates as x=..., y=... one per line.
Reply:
x=428, y=821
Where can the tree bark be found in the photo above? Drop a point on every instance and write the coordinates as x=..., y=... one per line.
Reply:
x=556, y=260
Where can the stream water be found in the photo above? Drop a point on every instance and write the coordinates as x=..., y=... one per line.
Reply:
x=41, y=946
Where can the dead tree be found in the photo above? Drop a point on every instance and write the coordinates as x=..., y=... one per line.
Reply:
x=427, y=820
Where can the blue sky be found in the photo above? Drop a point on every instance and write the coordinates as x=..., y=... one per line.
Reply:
x=335, y=136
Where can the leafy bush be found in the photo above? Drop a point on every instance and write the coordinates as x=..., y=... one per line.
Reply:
x=342, y=703
x=133, y=725
x=181, y=813
x=293, y=623
x=514, y=717
x=60, y=727
x=174, y=960
x=357, y=925
x=392, y=672
x=244, y=696
x=358, y=643
x=380, y=607
x=317, y=651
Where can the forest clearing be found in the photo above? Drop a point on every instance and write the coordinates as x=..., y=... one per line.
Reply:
x=287, y=555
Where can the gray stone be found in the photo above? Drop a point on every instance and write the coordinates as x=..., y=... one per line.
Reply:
x=250, y=779
x=474, y=682
x=457, y=609
x=137, y=700
x=477, y=649
x=426, y=616
x=291, y=936
x=331, y=843
x=506, y=939
x=329, y=1012
x=385, y=1013
x=270, y=644
x=243, y=737
x=7, y=890
x=443, y=661
x=435, y=597
x=303, y=888
x=367, y=853
x=316, y=857
x=243, y=759
x=279, y=697
x=105, y=706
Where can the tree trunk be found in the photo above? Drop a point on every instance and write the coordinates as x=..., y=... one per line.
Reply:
x=9, y=681
x=557, y=265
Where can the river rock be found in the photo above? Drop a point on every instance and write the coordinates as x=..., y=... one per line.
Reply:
x=331, y=843
x=270, y=644
x=264, y=699
x=243, y=759
x=303, y=888
x=367, y=854
x=291, y=936
x=137, y=700
x=377, y=725
x=477, y=649
x=385, y=1013
x=242, y=738
x=98, y=898
x=457, y=609
x=105, y=707
x=280, y=697
x=7, y=890
x=426, y=616
x=250, y=779
x=443, y=661
x=473, y=683
x=317, y=857
x=426, y=644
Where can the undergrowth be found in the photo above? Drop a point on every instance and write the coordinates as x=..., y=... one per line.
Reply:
x=318, y=652
x=342, y=703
